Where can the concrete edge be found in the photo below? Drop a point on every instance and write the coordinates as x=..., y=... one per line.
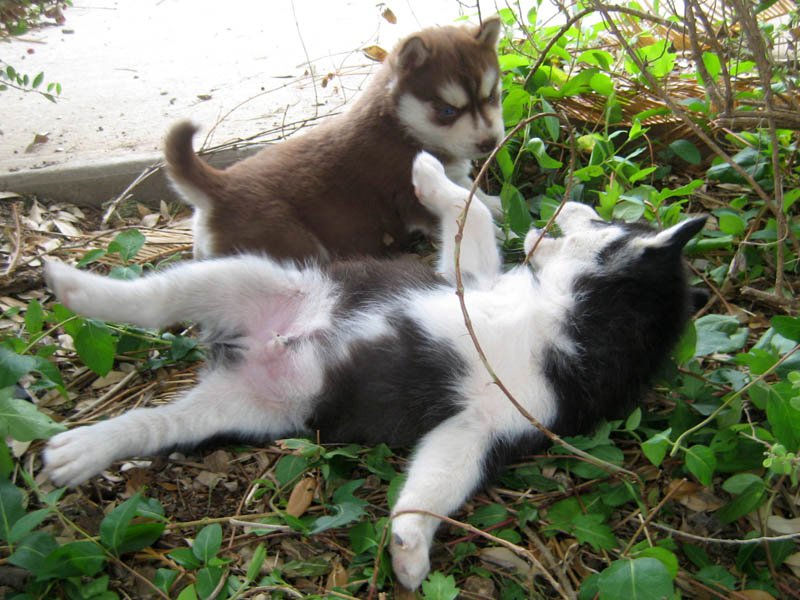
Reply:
x=93, y=183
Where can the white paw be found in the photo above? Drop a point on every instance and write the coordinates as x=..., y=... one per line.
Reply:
x=74, y=456
x=68, y=284
x=409, y=548
x=432, y=187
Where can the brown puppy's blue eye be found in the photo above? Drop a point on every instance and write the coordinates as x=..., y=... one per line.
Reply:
x=446, y=111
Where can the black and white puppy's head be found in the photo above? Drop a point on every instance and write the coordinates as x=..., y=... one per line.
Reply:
x=446, y=88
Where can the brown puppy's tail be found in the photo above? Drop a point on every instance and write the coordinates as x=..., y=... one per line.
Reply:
x=196, y=180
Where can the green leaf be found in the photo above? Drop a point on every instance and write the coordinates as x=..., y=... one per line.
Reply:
x=27, y=523
x=731, y=223
x=73, y=560
x=127, y=243
x=537, y=147
x=488, y=515
x=602, y=84
x=188, y=593
x=11, y=509
x=344, y=513
x=37, y=81
x=208, y=542
x=687, y=151
x=687, y=345
x=749, y=500
x=638, y=579
x=516, y=210
x=21, y=420
x=719, y=333
x=363, y=537
x=591, y=529
x=164, y=579
x=788, y=327
x=120, y=534
x=736, y=484
x=439, y=587
x=34, y=317
x=31, y=552
x=716, y=577
x=254, y=568
x=185, y=558
x=667, y=557
x=289, y=468
x=551, y=124
x=90, y=257
x=96, y=346
x=13, y=366
x=655, y=449
x=712, y=64
x=701, y=462
x=207, y=580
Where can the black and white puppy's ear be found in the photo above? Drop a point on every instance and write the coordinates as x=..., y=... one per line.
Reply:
x=489, y=32
x=677, y=236
x=413, y=54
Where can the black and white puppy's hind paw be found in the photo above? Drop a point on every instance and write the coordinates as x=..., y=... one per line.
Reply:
x=409, y=548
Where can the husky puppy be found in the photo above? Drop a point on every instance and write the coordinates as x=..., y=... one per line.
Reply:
x=343, y=188
x=375, y=351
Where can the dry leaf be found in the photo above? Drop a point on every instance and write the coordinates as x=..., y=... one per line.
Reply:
x=375, y=53
x=338, y=576
x=506, y=559
x=389, y=15
x=301, y=497
x=110, y=379
x=793, y=562
x=755, y=595
x=9, y=195
x=694, y=496
x=781, y=526
x=208, y=479
x=218, y=462
x=66, y=228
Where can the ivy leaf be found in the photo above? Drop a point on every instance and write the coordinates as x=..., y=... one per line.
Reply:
x=127, y=243
x=537, y=147
x=788, y=327
x=749, y=500
x=13, y=366
x=34, y=317
x=701, y=462
x=73, y=560
x=96, y=346
x=591, y=529
x=120, y=534
x=207, y=580
x=21, y=420
x=638, y=579
x=687, y=151
x=208, y=542
x=719, y=333
x=11, y=509
x=655, y=449
x=344, y=513
x=31, y=552
x=289, y=468
x=439, y=587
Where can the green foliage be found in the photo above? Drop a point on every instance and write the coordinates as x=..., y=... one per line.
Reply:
x=724, y=415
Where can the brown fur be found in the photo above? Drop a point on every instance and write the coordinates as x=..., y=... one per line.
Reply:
x=343, y=188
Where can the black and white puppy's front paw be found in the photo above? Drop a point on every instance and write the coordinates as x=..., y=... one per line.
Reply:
x=70, y=285
x=409, y=548
x=74, y=456
x=433, y=189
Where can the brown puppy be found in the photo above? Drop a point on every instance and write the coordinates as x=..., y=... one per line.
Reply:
x=344, y=188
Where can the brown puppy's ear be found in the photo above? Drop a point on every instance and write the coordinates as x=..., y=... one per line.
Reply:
x=412, y=54
x=489, y=32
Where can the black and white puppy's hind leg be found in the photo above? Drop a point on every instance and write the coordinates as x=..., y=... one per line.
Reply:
x=264, y=393
x=479, y=257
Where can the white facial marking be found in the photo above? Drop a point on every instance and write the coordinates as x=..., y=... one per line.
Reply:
x=488, y=83
x=454, y=94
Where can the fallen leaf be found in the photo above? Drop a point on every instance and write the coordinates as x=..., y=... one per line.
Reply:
x=389, y=15
x=755, y=595
x=778, y=525
x=301, y=497
x=694, y=496
x=793, y=562
x=338, y=576
x=66, y=228
x=9, y=195
x=506, y=559
x=38, y=140
x=208, y=479
x=218, y=462
x=375, y=53
x=109, y=379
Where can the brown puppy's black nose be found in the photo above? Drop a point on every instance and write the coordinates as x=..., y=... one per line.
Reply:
x=487, y=145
